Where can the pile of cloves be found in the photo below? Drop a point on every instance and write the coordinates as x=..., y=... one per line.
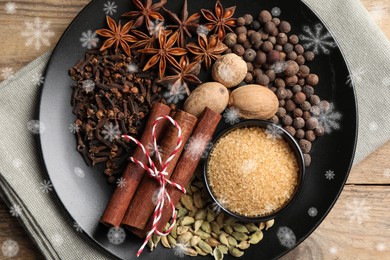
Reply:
x=110, y=98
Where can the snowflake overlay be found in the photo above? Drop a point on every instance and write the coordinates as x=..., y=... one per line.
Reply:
x=232, y=115
x=273, y=132
x=7, y=73
x=198, y=146
x=89, y=39
x=121, y=182
x=373, y=126
x=312, y=212
x=79, y=172
x=279, y=66
x=380, y=247
x=10, y=248
x=174, y=97
x=276, y=11
x=249, y=166
x=57, y=240
x=15, y=210
x=46, y=186
x=333, y=250
x=355, y=77
x=386, y=173
x=37, y=79
x=215, y=206
x=202, y=30
x=73, y=128
x=180, y=249
x=286, y=237
x=37, y=33
x=357, y=211
x=318, y=40
x=386, y=82
x=132, y=68
x=328, y=119
x=36, y=127
x=110, y=8
x=378, y=12
x=155, y=27
x=151, y=149
x=111, y=132
x=17, y=163
x=77, y=227
x=329, y=175
x=10, y=8
x=155, y=196
x=88, y=85
x=116, y=235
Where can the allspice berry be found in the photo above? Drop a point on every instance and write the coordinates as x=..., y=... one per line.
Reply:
x=273, y=56
x=303, y=71
x=305, y=145
x=299, y=98
x=250, y=55
x=291, y=69
x=291, y=81
x=300, y=134
x=241, y=38
x=312, y=79
x=310, y=136
x=307, y=159
x=305, y=106
x=281, y=112
x=315, y=100
x=293, y=39
x=264, y=16
x=290, y=105
x=287, y=120
x=248, y=19
x=239, y=50
x=312, y=123
x=284, y=27
x=298, y=123
x=319, y=131
x=230, y=40
x=261, y=58
x=270, y=28
x=291, y=130
x=240, y=21
x=309, y=55
x=267, y=46
x=281, y=93
x=262, y=80
x=255, y=37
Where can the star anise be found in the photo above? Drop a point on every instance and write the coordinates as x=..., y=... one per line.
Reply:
x=146, y=12
x=207, y=50
x=117, y=35
x=183, y=25
x=164, y=53
x=143, y=40
x=220, y=21
x=187, y=74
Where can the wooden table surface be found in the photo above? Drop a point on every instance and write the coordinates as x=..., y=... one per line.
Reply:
x=340, y=236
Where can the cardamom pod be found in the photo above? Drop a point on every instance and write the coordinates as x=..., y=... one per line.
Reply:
x=187, y=221
x=228, y=229
x=235, y=252
x=198, y=184
x=182, y=212
x=194, y=240
x=165, y=242
x=200, y=214
x=210, y=215
x=269, y=224
x=187, y=202
x=256, y=237
x=218, y=255
x=243, y=245
x=240, y=228
x=150, y=244
x=182, y=229
x=171, y=241
x=184, y=238
x=230, y=221
x=190, y=251
x=193, y=188
x=205, y=247
x=223, y=239
x=200, y=251
x=224, y=249
x=220, y=219
x=232, y=241
x=215, y=227
x=156, y=240
x=251, y=227
x=212, y=242
x=198, y=224
x=202, y=234
x=240, y=236
x=206, y=227
x=174, y=231
x=198, y=201
x=261, y=225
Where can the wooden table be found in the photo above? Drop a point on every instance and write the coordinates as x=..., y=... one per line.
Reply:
x=338, y=237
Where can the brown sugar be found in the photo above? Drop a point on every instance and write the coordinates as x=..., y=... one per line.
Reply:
x=252, y=173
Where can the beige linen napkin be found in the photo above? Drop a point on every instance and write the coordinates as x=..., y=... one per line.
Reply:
x=22, y=178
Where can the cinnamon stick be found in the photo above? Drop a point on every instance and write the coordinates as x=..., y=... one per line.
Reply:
x=142, y=205
x=187, y=164
x=120, y=199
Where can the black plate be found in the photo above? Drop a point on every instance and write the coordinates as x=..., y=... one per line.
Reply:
x=84, y=191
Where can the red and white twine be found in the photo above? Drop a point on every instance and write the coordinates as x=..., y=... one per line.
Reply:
x=160, y=176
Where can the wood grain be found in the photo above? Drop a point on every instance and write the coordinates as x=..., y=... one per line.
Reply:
x=338, y=237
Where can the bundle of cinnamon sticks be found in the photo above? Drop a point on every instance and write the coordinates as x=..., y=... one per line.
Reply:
x=133, y=204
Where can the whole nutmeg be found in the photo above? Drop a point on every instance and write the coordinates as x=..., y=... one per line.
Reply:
x=229, y=70
x=273, y=56
x=312, y=79
x=305, y=145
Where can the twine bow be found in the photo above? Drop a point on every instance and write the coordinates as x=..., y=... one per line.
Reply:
x=160, y=176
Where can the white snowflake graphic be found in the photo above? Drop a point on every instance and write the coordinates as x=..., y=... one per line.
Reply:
x=10, y=248
x=279, y=66
x=180, y=249
x=273, y=132
x=198, y=146
x=276, y=11
x=312, y=212
x=37, y=33
x=175, y=96
x=333, y=250
x=386, y=173
x=202, y=30
x=121, y=182
x=386, y=82
x=77, y=227
x=37, y=79
x=329, y=175
x=15, y=210
x=10, y=8
x=73, y=128
x=88, y=85
x=357, y=211
x=232, y=115
x=317, y=39
x=215, y=206
x=155, y=27
x=378, y=12
x=110, y=8
x=79, y=172
x=328, y=119
x=17, y=163
x=151, y=149
x=156, y=195
x=89, y=39
x=7, y=73
x=373, y=126
x=57, y=239
x=116, y=235
x=111, y=132
x=132, y=68
x=46, y=186
x=380, y=247
x=36, y=127
x=249, y=166
x=355, y=77
x=286, y=237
